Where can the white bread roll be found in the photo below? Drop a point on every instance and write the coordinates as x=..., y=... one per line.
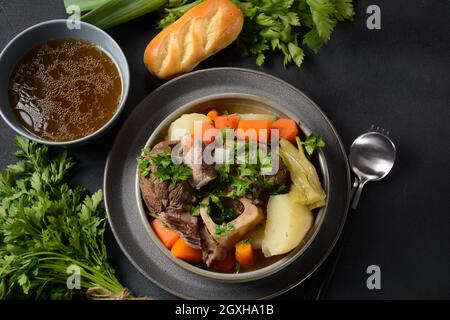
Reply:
x=202, y=31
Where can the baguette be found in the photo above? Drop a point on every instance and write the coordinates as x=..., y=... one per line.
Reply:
x=202, y=31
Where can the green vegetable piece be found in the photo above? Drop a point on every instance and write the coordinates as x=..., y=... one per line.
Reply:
x=312, y=143
x=115, y=12
x=165, y=169
x=240, y=186
x=84, y=5
x=223, y=229
x=193, y=210
x=306, y=188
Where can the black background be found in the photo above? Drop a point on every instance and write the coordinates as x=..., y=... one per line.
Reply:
x=396, y=78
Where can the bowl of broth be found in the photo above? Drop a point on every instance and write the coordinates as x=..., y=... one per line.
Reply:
x=62, y=85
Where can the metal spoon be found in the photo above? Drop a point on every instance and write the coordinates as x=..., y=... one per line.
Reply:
x=372, y=156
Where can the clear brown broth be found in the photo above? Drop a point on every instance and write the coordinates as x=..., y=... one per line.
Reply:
x=65, y=89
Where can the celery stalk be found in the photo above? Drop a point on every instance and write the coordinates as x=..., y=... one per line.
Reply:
x=173, y=13
x=306, y=188
x=115, y=12
x=84, y=5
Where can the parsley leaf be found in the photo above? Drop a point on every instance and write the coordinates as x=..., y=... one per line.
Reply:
x=312, y=143
x=313, y=40
x=193, y=210
x=344, y=10
x=144, y=163
x=223, y=229
x=165, y=169
x=223, y=173
x=144, y=166
x=240, y=186
x=322, y=12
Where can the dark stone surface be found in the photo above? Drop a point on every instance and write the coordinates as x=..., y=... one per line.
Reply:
x=396, y=77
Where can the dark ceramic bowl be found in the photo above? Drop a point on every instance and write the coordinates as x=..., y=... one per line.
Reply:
x=239, y=103
x=150, y=118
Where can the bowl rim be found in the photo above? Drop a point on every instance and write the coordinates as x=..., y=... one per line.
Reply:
x=124, y=93
x=287, y=258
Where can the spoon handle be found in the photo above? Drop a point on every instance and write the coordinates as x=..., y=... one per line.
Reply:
x=354, y=188
x=357, y=195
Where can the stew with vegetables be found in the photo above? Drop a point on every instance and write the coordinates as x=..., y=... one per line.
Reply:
x=231, y=192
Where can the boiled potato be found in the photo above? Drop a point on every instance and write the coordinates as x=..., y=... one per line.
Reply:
x=257, y=116
x=287, y=224
x=185, y=125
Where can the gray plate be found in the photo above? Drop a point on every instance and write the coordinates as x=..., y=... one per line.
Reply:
x=120, y=192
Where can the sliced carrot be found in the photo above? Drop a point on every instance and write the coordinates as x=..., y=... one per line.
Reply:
x=224, y=121
x=244, y=254
x=183, y=251
x=287, y=128
x=209, y=132
x=226, y=264
x=254, y=129
x=164, y=233
x=212, y=114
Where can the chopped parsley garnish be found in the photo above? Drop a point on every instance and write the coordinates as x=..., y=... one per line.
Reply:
x=226, y=130
x=240, y=187
x=312, y=143
x=193, y=210
x=144, y=163
x=223, y=173
x=223, y=229
x=144, y=166
x=248, y=170
x=265, y=163
x=165, y=169
x=237, y=266
x=240, y=179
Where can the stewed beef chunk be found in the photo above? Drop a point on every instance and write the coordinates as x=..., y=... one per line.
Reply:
x=155, y=194
x=181, y=194
x=158, y=194
x=163, y=146
x=282, y=176
x=211, y=249
x=202, y=173
x=184, y=224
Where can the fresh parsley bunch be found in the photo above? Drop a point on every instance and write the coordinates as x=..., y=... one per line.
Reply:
x=46, y=226
x=278, y=25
